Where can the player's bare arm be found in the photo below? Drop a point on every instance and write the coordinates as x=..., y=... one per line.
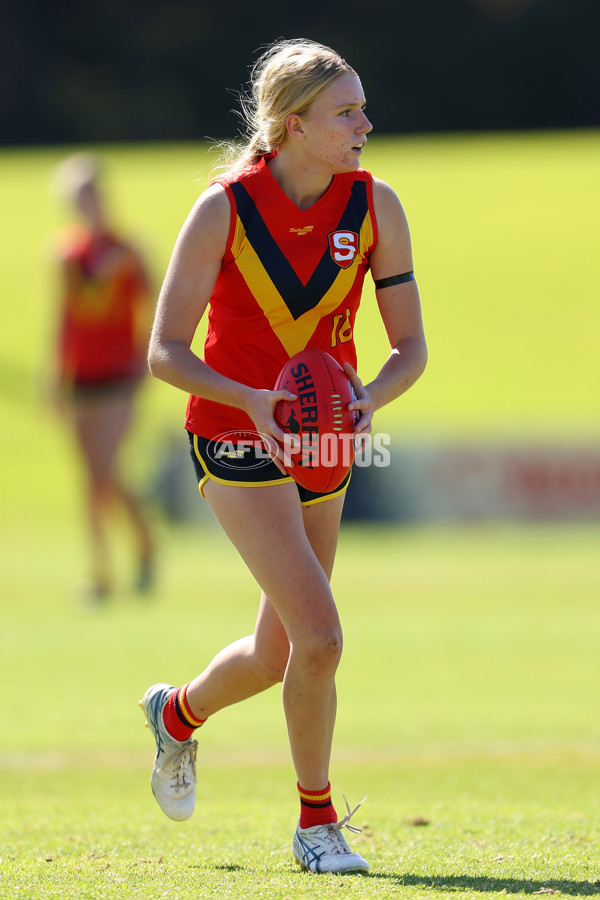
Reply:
x=189, y=281
x=399, y=303
x=188, y=284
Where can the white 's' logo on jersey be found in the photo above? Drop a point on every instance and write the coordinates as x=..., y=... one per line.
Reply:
x=343, y=246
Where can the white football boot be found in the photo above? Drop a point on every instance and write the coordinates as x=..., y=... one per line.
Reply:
x=323, y=848
x=174, y=773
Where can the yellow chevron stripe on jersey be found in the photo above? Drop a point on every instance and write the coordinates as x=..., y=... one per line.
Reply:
x=238, y=237
x=295, y=334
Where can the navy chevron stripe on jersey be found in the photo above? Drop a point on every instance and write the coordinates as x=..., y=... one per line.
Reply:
x=298, y=298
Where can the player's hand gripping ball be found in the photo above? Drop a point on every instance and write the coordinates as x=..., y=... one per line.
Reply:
x=318, y=424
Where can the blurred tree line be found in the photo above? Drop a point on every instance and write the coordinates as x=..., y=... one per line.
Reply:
x=109, y=70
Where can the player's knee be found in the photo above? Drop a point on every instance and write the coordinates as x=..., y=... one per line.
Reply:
x=101, y=485
x=324, y=650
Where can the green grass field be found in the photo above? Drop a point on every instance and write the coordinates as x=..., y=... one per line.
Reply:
x=469, y=683
x=468, y=698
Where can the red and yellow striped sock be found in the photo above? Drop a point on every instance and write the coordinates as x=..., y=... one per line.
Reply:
x=179, y=720
x=316, y=807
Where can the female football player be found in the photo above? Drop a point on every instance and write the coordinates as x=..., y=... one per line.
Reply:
x=278, y=247
x=101, y=345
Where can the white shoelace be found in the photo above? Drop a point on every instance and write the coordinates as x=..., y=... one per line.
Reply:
x=345, y=822
x=179, y=760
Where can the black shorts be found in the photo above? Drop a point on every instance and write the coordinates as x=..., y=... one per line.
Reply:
x=101, y=390
x=244, y=462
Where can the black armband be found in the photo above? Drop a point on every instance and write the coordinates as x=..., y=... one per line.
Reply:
x=395, y=279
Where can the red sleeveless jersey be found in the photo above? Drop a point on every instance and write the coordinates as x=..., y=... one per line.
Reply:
x=290, y=279
x=105, y=296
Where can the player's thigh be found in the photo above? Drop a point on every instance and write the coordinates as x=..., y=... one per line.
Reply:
x=101, y=426
x=266, y=525
x=322, y=526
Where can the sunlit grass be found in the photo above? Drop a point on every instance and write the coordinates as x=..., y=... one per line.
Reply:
x=466, y=698
x=468, y=685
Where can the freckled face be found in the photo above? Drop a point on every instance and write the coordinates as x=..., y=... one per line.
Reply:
x=336, y=126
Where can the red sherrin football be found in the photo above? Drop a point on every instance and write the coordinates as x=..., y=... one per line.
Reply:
x=318, y=421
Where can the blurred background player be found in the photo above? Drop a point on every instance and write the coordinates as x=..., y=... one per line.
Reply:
x=103, y=321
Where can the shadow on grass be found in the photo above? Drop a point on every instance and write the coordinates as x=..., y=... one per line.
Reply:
x=491, y=885
x=462, y=882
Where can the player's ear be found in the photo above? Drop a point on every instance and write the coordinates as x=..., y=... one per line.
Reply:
x=294, y=127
